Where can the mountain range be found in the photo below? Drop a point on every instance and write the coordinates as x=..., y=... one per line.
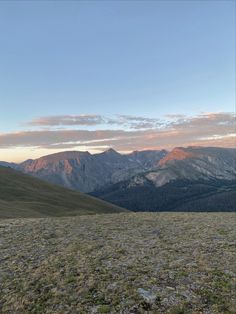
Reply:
x=86, y=172
x=184, y=179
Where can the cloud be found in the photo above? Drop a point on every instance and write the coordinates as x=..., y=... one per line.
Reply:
x=52, y=137
x=209, y=129
x=175, y=116
x=67, y=120
x=127, y=121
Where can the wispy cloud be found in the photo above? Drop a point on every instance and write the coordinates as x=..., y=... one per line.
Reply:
x=67, y=120
x=214, y=129
x=126, y=121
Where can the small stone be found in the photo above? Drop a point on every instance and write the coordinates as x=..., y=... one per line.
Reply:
x=148, y=296
x=165, y=301
x=230, y=273
x=112, y=286
x=192, y=264
x=156, y=232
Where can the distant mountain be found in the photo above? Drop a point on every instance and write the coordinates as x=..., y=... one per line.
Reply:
x=22, y=195
x=192, y=178
x=148, y=158
x=8, y=164
x=86, y=172
x=195, y=163
x=218, y=154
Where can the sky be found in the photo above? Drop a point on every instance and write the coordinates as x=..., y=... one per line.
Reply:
x=132, y=75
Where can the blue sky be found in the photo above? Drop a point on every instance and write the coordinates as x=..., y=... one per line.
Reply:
x=138, y=58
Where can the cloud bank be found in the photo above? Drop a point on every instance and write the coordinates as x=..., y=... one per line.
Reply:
x=127, y=133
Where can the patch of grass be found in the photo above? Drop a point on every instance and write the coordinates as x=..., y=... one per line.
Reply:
x=104, y=309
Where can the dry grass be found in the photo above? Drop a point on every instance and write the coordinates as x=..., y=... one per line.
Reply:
x=119, y=263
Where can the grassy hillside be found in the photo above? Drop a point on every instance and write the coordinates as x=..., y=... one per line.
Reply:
x=24, y=196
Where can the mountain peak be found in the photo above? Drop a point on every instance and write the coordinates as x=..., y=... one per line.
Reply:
x=111, y=151
x=178, y=153
x=65, y=155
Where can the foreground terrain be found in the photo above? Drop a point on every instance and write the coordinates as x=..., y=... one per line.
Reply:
x=118, y=263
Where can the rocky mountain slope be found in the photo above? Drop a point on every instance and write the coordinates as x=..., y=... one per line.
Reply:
x=186, y=179
x=195, y=163
x=86, y=172
x=24, y=196
x=179, y=195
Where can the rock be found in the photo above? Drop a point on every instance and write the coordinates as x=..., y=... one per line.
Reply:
x=112, y=286
x=147, y=295
x=230, y=273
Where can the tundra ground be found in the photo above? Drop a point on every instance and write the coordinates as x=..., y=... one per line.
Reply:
x=119, y=263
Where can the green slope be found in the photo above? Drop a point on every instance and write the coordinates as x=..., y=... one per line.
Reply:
x=25, y=196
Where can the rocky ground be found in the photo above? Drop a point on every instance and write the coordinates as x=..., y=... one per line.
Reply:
x=119, y=263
